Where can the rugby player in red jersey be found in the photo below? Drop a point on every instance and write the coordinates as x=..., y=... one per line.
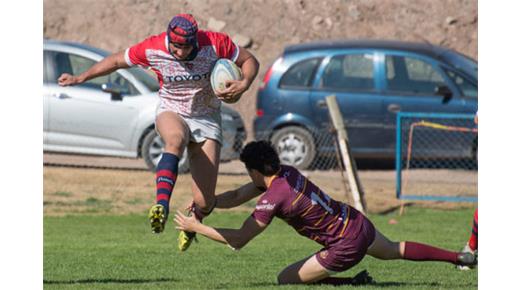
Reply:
x=345, y=234
x=189, y=111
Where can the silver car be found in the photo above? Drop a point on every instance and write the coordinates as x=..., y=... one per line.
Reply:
x=111, y=115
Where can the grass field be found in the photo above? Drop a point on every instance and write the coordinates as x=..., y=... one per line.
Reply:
x=119, y=252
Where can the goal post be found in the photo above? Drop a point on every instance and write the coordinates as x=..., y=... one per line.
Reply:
x=435, y=157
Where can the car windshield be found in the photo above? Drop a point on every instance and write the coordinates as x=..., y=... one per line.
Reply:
x=462, y=62
x=145, y=77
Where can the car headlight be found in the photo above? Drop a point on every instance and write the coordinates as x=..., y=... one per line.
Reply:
x=227, y=117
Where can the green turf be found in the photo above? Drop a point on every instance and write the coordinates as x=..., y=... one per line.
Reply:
x=119, y=252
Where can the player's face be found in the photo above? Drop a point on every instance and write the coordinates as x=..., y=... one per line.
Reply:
x=180, y=50
x=257, y=178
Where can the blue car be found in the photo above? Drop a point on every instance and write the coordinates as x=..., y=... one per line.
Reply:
x=372, y=81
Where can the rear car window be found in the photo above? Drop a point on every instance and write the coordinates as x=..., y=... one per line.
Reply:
x=300, y=74
x=349, y=72
x=411, y=75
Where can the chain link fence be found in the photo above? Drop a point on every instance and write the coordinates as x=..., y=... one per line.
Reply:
x=434, y=149
x=305, y=148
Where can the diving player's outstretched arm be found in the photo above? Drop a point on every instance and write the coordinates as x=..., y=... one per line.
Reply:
x=237, y=196
x=235, y=238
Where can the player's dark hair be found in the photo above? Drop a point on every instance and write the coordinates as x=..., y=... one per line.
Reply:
x=262, y=156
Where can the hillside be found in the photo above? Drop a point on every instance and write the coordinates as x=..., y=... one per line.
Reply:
x=269, y=24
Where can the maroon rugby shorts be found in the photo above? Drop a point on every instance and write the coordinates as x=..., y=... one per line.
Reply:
x=350, y=250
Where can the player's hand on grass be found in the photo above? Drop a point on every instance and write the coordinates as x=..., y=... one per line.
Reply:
x=68, y=80
x=186, y=223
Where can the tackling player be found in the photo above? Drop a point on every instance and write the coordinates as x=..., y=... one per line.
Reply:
x=189, y=112
x=346, y=234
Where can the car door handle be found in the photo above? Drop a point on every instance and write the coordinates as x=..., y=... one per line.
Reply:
x=321, y=104
x=61, y=96
x=393, y=108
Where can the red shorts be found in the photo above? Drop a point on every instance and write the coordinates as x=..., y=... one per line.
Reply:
x=347, y=252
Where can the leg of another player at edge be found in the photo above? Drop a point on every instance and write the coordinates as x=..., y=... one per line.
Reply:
x=204, y=163
x=384, y=249
x=473, y=240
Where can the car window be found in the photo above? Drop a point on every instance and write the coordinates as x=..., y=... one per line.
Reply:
x=465, y=87
x=349, y=72
x=75, y=64
x=148, y=78
x=411, y=75
x=300, y=74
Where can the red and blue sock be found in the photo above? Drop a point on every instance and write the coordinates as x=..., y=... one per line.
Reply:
x=166, y=175
x=473, y=240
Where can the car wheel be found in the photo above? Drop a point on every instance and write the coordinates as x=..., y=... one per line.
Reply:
x=295, y=146
x=152, y=150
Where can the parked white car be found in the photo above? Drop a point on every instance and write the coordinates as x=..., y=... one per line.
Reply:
x=111, y=115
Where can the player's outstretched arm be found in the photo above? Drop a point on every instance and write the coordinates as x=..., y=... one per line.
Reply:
x=108, y=65
x=237, y=196
x=235, y=238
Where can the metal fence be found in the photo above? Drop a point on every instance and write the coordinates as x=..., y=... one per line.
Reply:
x=436, y=157
x=305, y=148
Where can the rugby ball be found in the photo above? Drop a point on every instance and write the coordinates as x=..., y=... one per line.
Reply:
x=224, y=70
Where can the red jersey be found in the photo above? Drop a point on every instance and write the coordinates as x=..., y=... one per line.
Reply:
x=185, y=86
x=311, y=212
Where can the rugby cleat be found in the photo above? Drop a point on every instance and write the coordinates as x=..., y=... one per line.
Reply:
x=467, y=259
x=362, y=278
x=467, y=249
x=185, y=239
x=157, y=217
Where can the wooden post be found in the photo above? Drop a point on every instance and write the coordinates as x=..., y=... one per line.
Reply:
x=350, y=164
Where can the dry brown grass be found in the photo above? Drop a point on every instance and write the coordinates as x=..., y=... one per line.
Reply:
x=110, y=191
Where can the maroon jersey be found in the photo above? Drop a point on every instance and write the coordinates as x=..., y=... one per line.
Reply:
x=311, y=212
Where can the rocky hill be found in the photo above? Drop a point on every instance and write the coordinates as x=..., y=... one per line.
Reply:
x=267, y=26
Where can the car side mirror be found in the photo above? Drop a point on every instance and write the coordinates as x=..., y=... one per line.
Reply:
x=445, y=92
x=114, y=90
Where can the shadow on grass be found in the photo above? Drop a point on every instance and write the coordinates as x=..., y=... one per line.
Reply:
x=106, y=281
x=408, y=284
x=260, y=284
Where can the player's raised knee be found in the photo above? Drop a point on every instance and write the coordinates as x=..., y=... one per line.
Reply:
x=174, y=141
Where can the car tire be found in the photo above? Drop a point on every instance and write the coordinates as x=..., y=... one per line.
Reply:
x=152, y=150
x=295, y=146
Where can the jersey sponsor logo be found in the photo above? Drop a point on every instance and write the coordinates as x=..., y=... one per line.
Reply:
x=183, y=78
x=265, y=205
